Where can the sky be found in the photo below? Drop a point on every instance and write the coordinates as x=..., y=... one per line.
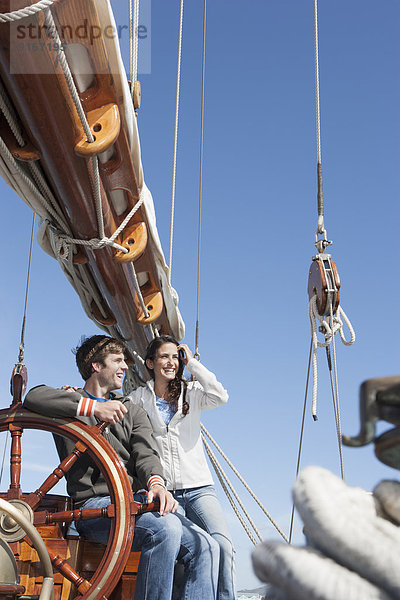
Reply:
x=258, y=231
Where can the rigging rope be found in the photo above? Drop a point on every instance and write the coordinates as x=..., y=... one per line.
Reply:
x=205, y=432
x=8, y=111
x=321, y=226
x=60, y=235
x=16, y=15
x=16, y=169
x=178, y=83
x=301, y=438
x=196, y=352
x=22, y=342
x=335, y=396
x=329, y=330
x=218, y=472
x=133, y=42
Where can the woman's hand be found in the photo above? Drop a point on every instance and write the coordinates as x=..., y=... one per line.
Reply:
x=69, y=388
x=186, y=353
x=167, y=501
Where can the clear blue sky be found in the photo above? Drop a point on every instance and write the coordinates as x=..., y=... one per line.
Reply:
x=259, y=221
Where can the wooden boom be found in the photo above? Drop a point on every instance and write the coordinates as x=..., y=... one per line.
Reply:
x=55, y=140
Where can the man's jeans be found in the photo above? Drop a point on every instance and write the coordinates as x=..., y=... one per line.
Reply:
x=161, y=541
x=201, y=506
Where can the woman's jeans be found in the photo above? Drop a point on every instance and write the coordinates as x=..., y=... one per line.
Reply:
x=201, y=506
x=161, y=541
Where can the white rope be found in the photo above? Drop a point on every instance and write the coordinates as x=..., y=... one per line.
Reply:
x=336, y=404
x=64, y=241
x=351, y=552
x=76, y=274
x=196, y=351
x=217, y=470
x=224, y=480
x=16, y=15
x=320, y=225
x=138, y=290
x=128, y=217
x=318, y=116
x=37, y=175
x=32, y=189
x=133, y=41
x=329, y=331
x=9, y=114
x=204, y=430
x=178, y=82
x=94, y=174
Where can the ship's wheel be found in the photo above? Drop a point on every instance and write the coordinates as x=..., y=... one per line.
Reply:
x=121, y=510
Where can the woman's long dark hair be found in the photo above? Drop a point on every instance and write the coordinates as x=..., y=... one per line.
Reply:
x=174, y=386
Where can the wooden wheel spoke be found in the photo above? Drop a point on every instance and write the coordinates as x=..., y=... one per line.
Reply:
x=45, y=517
x=51, y=513
x=61, y=565
x=15, y=462
x=59, y=472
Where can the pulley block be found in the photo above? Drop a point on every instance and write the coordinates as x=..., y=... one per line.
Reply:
x=324, y=282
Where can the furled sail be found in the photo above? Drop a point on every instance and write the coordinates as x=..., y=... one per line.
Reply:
x=70, y=149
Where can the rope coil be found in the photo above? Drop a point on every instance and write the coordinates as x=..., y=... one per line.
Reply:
x=329, y=330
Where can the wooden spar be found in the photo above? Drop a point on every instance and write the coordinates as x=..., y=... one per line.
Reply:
x=55, y=139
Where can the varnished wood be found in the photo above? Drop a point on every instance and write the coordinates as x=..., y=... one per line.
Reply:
x=42, y=96
x=115, y=554
x=133, y=239
x=319, y=285
x=59, y=472
x=11, y=590
x=104, y=123
x=15, y=462
x=86, y=514
x=154, y=305
x=90, y=555
x=18, y=383
x=137, y=94
x=105, y=319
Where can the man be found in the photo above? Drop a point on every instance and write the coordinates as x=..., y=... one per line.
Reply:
x=161, y=537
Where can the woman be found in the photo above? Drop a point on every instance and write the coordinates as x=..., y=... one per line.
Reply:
x=174, y=407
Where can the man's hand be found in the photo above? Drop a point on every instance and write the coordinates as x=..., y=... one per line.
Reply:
x=167, y=501
x=111, y=411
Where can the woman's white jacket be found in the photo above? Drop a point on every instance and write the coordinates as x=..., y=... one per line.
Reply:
x=179, y=444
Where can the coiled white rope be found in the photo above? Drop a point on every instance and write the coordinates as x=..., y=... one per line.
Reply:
x=329, y=329
x=16, y=15
x=205, y=432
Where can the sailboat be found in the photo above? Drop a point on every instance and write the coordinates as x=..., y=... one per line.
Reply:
x=254, y=273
